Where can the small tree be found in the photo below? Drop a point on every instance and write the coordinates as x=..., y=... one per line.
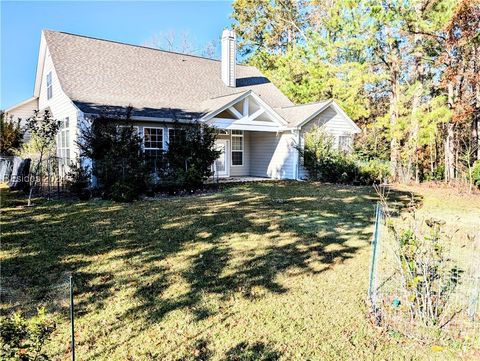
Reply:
x=11, y=135
x=43, y=128
x=190, y=155
x=115, y=148
x=78, y=180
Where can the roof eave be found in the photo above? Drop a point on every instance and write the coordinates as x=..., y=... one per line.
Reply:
x=23, y=102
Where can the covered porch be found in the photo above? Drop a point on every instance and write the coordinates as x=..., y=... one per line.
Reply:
x=255, y=154
x=255, y=142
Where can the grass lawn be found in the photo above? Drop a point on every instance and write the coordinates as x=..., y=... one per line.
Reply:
x=272, y=270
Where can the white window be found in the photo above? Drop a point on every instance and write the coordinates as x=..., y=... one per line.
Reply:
x=345, y=143
x=237, y=147
x=63, y=141
x=49, y=85
x=153, y=140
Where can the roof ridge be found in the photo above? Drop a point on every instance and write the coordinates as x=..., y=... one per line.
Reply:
x=139, y=46
x=311, y=103
x=227, y=95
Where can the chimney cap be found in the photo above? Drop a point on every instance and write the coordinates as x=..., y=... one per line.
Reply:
x=227, y=33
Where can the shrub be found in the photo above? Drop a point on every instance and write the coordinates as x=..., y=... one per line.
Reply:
x=11, y=136
x=373, y=172
x=429, y=275
x=326, y=164
x=323, y=162
x=78, y=181
x=23, y=339
x=123, y=192
x=119, y=163
x=438, y=174
x=476, y=173
x=189, y=157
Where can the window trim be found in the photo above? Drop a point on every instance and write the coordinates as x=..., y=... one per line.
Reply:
x=49, y=82
x=348, y=147
x=242, y=137
x=163, y=138
x=63, y=142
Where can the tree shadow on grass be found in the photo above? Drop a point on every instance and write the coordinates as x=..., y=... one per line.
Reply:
x=257, y=351
x=256, y=232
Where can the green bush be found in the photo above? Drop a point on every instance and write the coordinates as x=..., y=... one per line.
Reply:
x=438, y=174
x=324, y=163
x=78, y=180
x=123, y=192
x=119, y=164
x=374, y=171
x=23, y=339
x=476, y=173
x=189, y=157
x=430, y=277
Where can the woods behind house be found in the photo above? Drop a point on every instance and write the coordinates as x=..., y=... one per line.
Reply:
x=407, y=71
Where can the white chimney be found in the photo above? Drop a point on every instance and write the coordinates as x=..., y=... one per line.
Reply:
x=229, y=55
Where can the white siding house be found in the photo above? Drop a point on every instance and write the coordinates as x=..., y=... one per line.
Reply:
x=260, y=129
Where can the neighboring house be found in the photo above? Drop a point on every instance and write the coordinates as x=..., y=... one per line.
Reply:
x=259, y=127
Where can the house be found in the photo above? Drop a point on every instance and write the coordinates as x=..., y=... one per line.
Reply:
x=259, y=127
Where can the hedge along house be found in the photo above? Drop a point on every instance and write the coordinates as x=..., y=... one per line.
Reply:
x=259, y=127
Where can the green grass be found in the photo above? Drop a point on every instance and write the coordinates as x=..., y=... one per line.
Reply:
x=272, y=270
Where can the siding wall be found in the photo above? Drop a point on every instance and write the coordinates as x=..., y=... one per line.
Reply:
x=235, y=171
x=60, y=104
x=272, y=155
x=333, y=123
x=23, y=112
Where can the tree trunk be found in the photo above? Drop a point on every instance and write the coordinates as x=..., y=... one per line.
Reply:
x=394, y=113
x=394, y=143
x=476, y=121
x=450, y=153
x=413, y=141
x=418, y=77
x=449, y=141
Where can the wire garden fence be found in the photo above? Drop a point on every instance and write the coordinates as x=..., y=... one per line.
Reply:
x=55, y=294
x=421, y=285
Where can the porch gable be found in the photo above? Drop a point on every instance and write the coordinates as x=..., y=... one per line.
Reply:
x=246, y=112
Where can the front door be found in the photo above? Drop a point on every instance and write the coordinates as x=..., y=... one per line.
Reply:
x=221, y=166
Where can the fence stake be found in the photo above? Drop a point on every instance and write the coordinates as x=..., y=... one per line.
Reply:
x=72, y=317
x=49, y=167
x=372, y=289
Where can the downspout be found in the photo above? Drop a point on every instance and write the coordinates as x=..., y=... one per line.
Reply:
x=297, y=155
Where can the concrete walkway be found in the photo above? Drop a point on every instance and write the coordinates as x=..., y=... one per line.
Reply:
x=245, y=179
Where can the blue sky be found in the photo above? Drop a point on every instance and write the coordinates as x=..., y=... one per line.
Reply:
x=130, y=22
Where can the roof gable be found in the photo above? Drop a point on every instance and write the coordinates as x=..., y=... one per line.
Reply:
x=244, y=111
x=334, y=108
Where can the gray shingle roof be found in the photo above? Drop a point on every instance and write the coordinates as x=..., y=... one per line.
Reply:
x=106, y=76
x=296, y=114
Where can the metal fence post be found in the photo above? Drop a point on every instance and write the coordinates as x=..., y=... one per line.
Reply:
x=372, y=289
x=72, y=317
